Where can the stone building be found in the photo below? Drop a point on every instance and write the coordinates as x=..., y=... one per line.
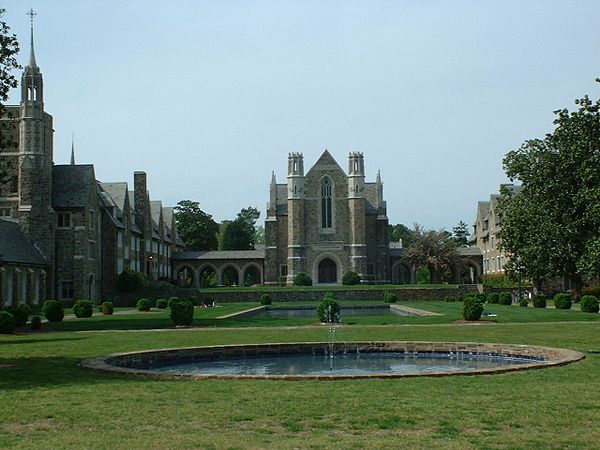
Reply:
x=83, y=232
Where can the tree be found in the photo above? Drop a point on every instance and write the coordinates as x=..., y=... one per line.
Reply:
x=9, y=47
x=400, y=232
x=197, y=228
x=435, y=250
x=461, y=234
x=552, y=226
x=239, y=234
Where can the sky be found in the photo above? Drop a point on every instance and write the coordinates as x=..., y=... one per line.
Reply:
x=209, y=97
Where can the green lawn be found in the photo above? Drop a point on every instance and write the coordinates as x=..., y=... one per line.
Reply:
x=48, y=402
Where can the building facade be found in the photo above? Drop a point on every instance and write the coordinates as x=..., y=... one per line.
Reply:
x=83, y=232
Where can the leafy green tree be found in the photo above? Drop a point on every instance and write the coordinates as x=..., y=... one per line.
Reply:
x=239, y=234
x=400, y=231
x=461, y=234
x=9, y=47
x=197, y=228
x=552, y=226
x=435, y=250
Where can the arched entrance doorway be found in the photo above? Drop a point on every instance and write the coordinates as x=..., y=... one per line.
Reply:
x=252, y=276
x=185, y=277
x=327, y=271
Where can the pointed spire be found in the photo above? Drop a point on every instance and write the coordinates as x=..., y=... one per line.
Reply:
x=378, y=176
x=273, y=179
x=73, y=149
x=32, y=62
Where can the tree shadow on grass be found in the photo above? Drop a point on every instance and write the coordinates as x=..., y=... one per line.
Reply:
x=17, y=341
x=42, y=372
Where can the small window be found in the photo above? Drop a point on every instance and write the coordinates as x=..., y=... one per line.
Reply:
x=5, y=212
x=14, y=184
x=67, y=289
x=91, y=249
x=283, y=270
x=92, y=220
x=64, y=220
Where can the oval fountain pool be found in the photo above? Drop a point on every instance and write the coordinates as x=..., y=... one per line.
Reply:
x=315, y=360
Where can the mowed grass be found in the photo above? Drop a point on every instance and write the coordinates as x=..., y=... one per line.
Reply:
x=48, y=402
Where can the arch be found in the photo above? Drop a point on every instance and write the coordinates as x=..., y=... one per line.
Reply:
x=185, y=276
x=401, y=273
x=327, y=203
x=252, y=274
x=338, y=267
x=207, y=275
x=229, y=275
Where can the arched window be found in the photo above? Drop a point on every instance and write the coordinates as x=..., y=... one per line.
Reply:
x=326, y=215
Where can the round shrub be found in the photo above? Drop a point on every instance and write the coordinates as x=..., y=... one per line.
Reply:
x=302, y=280
x=562, y=301
x=53, y=311
x=505, y=298
x=173, y=299
x=182, y=311
x=107, y=308
x=589, y=303
x=20, y=314
x=162, y=303
x=450, y=298
x=328, y=310
x=265, y=299
x=472, y=308
x=493, y=298
x=350, y=278
x=83, y=308
x=131, y=281
x=539, y=301
x=390, y=297
x=7, y=322
x=36, y=323
x=143, y=304
x=524, y=302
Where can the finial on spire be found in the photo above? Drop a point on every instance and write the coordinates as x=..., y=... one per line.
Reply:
x=32, y=62
x=273, y=179
x=379, y=176
x=73, y=149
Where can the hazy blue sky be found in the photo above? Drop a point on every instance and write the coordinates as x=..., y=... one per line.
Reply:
x=210, y=97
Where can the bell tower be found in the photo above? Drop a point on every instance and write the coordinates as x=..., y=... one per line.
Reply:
x=356, y=207
x=296, y=234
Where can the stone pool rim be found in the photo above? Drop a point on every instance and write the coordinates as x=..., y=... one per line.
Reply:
x=541, y=357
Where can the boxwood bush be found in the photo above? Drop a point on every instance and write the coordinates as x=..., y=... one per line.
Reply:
x=539, y=301
x=562, y=301
x=143, y=304
x=350, y=278
x=302, y=280
x=131, y=281
x=390, y=297
x=162, y=303
x=107, y=308
x=524, y=302
x=83, y=308
x=20, y=314
x=472, y=308
x=53, y=311
x=7, y=322
x=182, y=311
x=265, y=299
x=589, y=303
x=505, y=298
x=328, y=310
x=493, y=298
x=36, y=323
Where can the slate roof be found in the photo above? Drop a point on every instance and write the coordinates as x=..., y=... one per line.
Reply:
x=16, y=247
x=155, y=210
x=117, y=191
x=469, y=251
x=71, y=185
x=259, y=253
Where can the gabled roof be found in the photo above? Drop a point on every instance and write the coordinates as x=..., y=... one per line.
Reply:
x=71, y=185
x=16, y=247
x=156, y=210
x=259, y=253
x=326, y=160
x=118, y=192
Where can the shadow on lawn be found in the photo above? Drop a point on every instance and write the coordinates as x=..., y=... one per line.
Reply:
x=16, y=340
x=36, y=372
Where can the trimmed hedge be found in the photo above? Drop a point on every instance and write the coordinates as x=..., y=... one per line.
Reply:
x=539, y=301
x=265, y=299
x=589, y=303
x=107, y=309
x=131, y=281
x=302, y=280
x=36, y=323
x=83, y=308
x=7, y=322
x=162, y=303
x=390, y=297
x=143, y=304
x=505, y=298
x=53, y=311
x=472, y=308
x=493, y=298
x=350, y=278
x=182, y=311
x=20, y=314
x=328, y=310
x=562, y=301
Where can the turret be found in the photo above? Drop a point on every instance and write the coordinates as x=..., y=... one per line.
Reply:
x=295, y=176
x=272, y=209
x=356, y=175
